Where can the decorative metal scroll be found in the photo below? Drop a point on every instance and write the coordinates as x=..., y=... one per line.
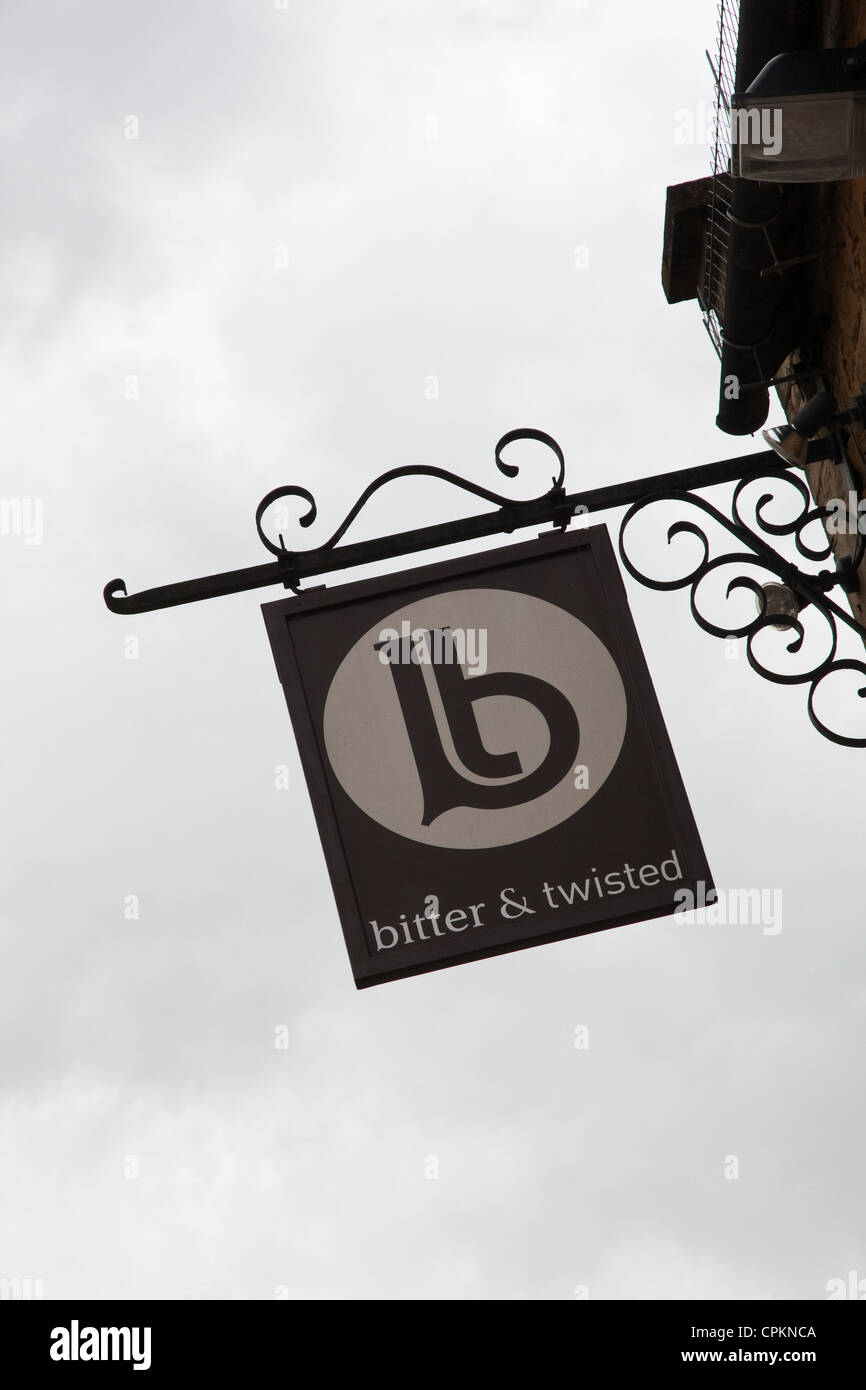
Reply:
x=755, y=555
x=411, y=470
x=291, y=566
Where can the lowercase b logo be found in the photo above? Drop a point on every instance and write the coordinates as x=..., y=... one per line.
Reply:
x=468, y=761
x=443, y=787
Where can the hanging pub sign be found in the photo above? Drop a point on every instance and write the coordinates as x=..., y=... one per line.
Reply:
x=485, y=755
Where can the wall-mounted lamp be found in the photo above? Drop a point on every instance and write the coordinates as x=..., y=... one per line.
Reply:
x=791, y=441
x=803, y=119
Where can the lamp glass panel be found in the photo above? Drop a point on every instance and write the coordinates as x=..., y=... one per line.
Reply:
x=822, y=139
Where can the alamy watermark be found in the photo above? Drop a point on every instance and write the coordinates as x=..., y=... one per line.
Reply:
x=846, y=516
x=441, y=646
x=755, y=125
x=21, y=1288
x=852, y=1287
x=745, y=907
x=22, y=517
x=77, y=1343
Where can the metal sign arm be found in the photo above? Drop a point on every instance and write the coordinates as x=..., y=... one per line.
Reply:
x=554, y=507
x=779, y=604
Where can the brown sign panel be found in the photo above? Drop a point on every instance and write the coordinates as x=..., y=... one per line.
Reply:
x=485, y=755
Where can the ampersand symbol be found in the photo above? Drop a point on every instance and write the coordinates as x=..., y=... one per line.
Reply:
x=522, y=907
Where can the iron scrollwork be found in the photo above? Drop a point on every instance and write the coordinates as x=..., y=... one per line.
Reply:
x=411, y=470
x=810, y=591
x=289, y=566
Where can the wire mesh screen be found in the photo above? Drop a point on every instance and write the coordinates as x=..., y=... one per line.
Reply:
x=723, y=62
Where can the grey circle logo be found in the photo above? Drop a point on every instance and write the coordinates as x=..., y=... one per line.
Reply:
x=475, y=718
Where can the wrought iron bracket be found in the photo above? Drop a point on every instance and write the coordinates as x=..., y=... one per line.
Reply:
x=556, y=507
x=807, y=592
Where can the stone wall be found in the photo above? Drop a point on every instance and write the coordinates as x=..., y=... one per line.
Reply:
x=838, y=298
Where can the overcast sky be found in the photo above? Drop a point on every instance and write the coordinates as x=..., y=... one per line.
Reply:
x=325, y=208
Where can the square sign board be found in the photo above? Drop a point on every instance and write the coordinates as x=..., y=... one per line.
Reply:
x=485, y=755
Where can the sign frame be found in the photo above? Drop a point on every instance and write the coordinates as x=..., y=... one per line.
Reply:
x=623, y=643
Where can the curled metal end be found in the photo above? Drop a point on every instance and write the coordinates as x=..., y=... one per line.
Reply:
x=269, y=499
x=511, y=470
x=110, y=592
